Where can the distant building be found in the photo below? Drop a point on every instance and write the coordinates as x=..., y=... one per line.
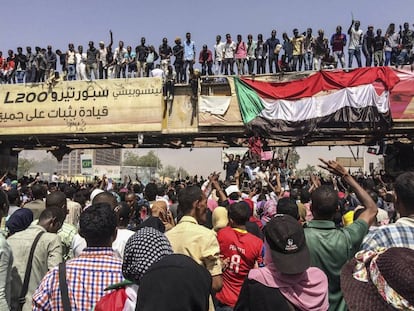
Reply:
x=71, y=163
x=107, y=156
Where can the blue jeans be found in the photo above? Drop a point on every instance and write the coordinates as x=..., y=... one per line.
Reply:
x=403, y=57
x=20, y=76
x=339, y=56
x=357, y=54
x=368, y=59
x=102, y=71
x=273, y=59
x=179, y=70
x=297, y=62
x=206, y=68
x=188, y=64
x=387, y=58
x=228, y=65
x=250, y=65
x=31, y=75
x=308, y=57
x=71, y=72
x=240, y=62
x=260, y=66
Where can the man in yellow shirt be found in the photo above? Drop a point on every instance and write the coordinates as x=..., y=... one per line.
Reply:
x=297, y=43
x=190, y=238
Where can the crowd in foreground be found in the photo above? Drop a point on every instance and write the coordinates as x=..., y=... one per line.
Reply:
x=257, y=239
x=294, y=52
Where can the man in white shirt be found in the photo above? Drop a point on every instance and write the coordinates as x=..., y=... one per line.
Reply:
x=229, y=49
x=120, y=60
x=218, y=56
x=158, y=72
x=355, y=43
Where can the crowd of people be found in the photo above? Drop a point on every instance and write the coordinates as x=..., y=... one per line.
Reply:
x=294, y=52
x=259, y=238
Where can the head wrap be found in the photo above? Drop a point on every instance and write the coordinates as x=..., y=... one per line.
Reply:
x=211, y=204
x=175, y=283
x=144, y=248
x=269, y=210
x=307, y=289
x=220, y=218
x=19, y=220
x=379, y=279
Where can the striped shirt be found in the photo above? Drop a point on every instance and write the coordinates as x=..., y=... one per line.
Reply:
x=400, y=234
x=87, y=276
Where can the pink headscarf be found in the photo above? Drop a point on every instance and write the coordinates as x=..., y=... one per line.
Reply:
x=307, y=290
x=269, y=210
x=212, y=204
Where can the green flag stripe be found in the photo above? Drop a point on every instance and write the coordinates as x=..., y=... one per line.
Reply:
x=250, y=103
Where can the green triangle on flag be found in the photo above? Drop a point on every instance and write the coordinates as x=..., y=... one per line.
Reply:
x=250, y=103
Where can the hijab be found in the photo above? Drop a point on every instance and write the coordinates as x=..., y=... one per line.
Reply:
x=269, y=210
x=307, y=290
x=175, y=283
x=146, y=247
x=19, y=220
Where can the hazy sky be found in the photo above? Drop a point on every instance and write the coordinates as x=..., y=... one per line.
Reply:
x=203, y=161
x=44, y=22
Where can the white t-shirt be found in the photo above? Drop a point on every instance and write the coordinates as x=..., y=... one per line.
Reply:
x=218, y=48
x=355, y=39
x=229, y=49
x=392, y=41
x=262, y=176
x=122, y=236
x=157, y=72
x=102, y=56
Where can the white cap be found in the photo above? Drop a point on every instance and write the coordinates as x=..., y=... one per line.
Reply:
x=95, y=192
x=230, y=189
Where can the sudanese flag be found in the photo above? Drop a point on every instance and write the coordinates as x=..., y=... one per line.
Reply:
x=326, y=99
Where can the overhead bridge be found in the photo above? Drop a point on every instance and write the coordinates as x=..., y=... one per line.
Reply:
x=358, y=107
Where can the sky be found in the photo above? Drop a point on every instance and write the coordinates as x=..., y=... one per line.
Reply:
x=192, y=160
x=44, y=22
x=203, y=161
x=57, y=23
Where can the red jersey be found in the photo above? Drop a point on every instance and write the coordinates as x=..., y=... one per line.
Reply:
x=242, y=250
x=338, y=41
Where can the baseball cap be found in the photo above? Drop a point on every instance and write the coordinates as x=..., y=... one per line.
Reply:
x=287, y=243
x=94, y=193
x=230, y=189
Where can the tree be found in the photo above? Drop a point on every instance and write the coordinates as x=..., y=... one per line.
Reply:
x=150, y=160
x=24, y=166
x=182, y=173
x=293, y=157
x=168, y=171
x=47, y=165
x=307, y=171
x=131, y=159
